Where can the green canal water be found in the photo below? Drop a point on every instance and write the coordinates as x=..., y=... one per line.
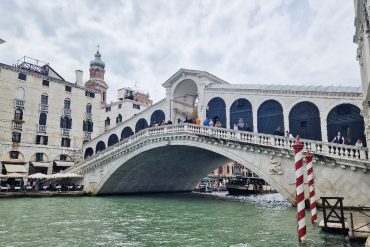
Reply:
x=153, y=220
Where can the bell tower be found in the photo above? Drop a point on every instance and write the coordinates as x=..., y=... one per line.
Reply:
x=96, y=81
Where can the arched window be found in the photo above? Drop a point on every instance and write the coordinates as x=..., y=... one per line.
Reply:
x=100, y=146
x=18, y=114
x=107, y=121
x=270, y=119
x=113, y=139
x=304, y=120
x=119, y=118
x=66, y=122
x=42, y=118
x=347, y=119
x=19, y=94
x=141, y=124
x=44, y=99
x=241, y=110
x=126, y=132
x=88, y=108
x=88, y=152
x=158, y=116
x=67, y=104
x=216, y=110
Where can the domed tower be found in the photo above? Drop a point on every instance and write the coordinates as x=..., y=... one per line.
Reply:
x=96, y=80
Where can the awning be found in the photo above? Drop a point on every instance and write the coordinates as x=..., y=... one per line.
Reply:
x=41, y=164
x=38, y=175
x=64, y=163
x=13, y=175
x=15, y=168
x=66, y=175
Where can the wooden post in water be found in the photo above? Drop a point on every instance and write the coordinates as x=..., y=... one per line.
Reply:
x=311, y=186
x=301, y=214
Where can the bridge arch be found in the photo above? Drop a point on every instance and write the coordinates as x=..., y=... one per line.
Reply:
x=270, y=118
x=241, y=108
x=88, y=152
x=216, y=110
x=304, y=120
x=100, y=146
x=126, y=132
x=347, y=119
x=113, y=139
x=141, y=124
x=157, y=116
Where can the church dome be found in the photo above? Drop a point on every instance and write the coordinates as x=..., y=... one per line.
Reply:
x=97, y=62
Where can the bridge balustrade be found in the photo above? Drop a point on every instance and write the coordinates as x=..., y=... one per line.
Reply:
x=318, y=147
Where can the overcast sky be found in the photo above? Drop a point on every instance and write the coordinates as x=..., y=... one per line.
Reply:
x=146, y=41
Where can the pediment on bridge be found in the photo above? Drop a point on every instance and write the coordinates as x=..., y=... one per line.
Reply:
x=183, y=73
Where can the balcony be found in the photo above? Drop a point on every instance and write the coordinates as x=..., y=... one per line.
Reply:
x=87, y=136
x=88, y=116
x=44, y=108
x=65, y=132
x=19, y=103
x=66, y=112
x=41, y=128
x=16, y=125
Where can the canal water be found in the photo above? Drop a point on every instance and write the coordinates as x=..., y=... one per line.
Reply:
x=154, y=220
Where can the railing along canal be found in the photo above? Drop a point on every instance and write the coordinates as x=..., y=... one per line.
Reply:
x=319, y=148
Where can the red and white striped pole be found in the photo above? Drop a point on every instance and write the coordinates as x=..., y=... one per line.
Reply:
x=311, y=187
x=298, y=157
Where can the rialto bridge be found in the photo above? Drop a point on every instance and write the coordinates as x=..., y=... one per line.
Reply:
x=132, y=158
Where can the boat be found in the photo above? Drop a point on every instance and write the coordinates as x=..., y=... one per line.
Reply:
x=247, y=186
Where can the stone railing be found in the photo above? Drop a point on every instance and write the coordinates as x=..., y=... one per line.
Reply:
x=88, y=116
x=66, y=112
x=332, y=150
x=19, y=103
x=87, y=135
x=16, y=125
x=44, y=108
x=41, y=128
x=64, y=132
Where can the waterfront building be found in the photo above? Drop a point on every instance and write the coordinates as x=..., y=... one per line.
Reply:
x=45, y=119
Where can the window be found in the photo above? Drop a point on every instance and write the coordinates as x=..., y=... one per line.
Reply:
x=136, y=106
x=42, y=140
x=67, y=104
x=119, y=106
x=18, y=114
x=45, y=83
x=68, y=89
x=44, y=99
x=14, y=155
x=39, y=157
x=66, y=142
x=16, y=137
x=42, y=118
x=66, y=123
x=119, y=118
x=63, y=157
x=22, y=76
x=88, y=126
x=107, y=121
x=107, y=109
x=88, y=108
x=90, y=94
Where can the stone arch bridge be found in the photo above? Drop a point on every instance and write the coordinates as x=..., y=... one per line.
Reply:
x=175, y=157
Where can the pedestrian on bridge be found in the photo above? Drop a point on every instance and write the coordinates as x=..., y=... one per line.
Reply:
x=339, y=139
x=206, y=121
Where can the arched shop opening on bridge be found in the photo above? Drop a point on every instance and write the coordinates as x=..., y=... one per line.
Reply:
x=126, y=132
x=100, y=146
x=270, y=118
x=141, y=124
x=304, y=120
x=184, y=101
x=347, y=119
x=216, y=110
x=241, y=111
x=113, y=139
x=89, y=152
x=157, y=116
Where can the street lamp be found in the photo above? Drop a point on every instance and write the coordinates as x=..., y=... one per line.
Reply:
x=2, y=41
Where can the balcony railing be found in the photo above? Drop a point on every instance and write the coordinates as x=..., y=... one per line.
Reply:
x=88, y=116
x=41, y=128
x=16, y=126
x=66, y=112
x=19, y=103
x=87, y=135
x=44, y=108
x=65, y=132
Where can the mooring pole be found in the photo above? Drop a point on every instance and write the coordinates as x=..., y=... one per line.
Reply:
x=298, y=158
x=311, y=186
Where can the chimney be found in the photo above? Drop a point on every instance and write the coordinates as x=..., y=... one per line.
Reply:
x=79, y=77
